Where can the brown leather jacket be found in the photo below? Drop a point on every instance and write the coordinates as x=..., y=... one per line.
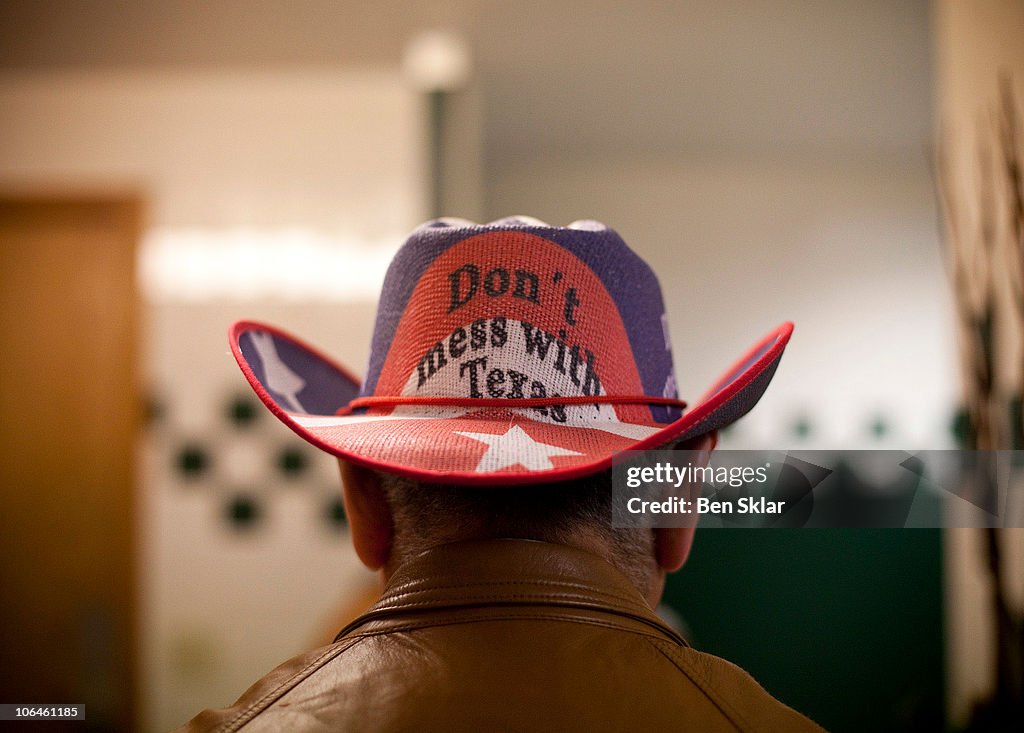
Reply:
x=508, y=635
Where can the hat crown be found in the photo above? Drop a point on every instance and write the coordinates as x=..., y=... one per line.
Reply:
x=519, y=309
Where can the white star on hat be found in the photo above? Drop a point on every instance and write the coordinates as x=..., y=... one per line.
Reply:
x=516, y=447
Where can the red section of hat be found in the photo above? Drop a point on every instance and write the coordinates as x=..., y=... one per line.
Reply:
x=447, y=443
x=525, y=279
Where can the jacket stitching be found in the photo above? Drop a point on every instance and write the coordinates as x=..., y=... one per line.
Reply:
x=400, y=590
x=465, y=619
x=581, y=601
x=734, y=715
x=246, y=716
x=504, y=596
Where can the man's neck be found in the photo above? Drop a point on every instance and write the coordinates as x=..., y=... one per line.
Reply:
x=644, y=574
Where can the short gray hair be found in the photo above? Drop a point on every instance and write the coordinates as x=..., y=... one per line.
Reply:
x=427, y=514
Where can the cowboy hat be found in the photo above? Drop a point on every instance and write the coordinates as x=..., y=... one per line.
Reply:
x=505, y=353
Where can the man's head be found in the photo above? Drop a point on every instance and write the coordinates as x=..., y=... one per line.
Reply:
x=393, y=519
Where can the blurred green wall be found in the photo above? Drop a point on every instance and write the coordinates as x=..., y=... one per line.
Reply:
x=845, y=625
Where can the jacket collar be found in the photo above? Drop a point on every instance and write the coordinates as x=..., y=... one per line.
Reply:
x=510, y=573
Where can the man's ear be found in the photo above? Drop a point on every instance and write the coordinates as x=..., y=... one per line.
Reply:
x=707, y=442
x=368, y=513
x=672, y=545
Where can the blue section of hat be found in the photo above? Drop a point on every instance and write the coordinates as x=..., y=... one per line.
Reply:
x=277, y=363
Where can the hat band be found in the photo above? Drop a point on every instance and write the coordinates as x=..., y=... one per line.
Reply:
x=388, y=401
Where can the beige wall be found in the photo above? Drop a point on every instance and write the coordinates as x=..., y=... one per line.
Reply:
x=218, y=148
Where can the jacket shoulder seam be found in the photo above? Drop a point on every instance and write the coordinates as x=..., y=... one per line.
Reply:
x=246, y=716
x=735, y=717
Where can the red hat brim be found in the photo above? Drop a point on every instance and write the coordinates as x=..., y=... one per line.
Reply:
x=305, y=389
